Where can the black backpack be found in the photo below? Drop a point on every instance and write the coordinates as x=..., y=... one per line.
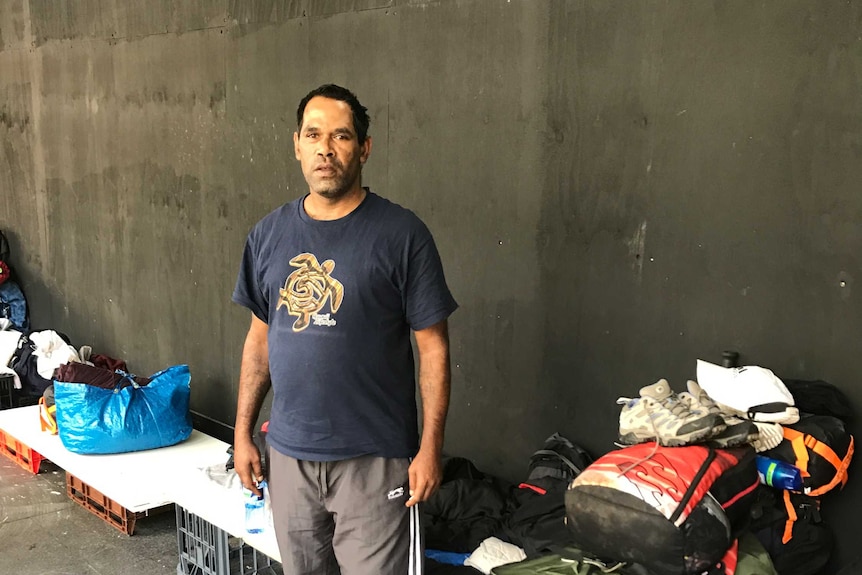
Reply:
x=559, y=458
x=791, y=529
x=821, y=447
x=5, y=251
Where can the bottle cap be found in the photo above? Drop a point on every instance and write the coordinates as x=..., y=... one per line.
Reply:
x=730, y=358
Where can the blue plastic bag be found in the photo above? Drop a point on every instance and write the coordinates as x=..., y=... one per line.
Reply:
x=93, y=420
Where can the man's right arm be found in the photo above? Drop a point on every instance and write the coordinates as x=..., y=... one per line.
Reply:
x=254, y=384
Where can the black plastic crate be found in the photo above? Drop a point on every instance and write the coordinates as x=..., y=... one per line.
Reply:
x=8, y=396
x=6, y=385
x=204, y=549
x=11, y=397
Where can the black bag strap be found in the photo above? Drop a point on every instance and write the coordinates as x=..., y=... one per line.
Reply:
x=689, y=493
x=562, y=457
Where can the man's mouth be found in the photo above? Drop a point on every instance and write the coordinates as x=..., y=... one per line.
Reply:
x=325, y=168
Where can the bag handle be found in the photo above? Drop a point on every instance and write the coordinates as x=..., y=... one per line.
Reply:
x=564, y=459
x=47, y=417
x=125, y=377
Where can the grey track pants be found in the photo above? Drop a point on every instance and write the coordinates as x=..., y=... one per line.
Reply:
x=344, y=517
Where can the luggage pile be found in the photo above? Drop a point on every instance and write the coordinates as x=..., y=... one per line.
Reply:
x=698, y=470
x=724, y=478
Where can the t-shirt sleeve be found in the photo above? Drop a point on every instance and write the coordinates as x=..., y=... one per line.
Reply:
x=247, y=292
x=428, y=299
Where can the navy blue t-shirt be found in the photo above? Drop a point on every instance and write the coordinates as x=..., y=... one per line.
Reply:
x=340, y=298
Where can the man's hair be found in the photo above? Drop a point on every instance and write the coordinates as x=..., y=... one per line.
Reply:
x=360, y=112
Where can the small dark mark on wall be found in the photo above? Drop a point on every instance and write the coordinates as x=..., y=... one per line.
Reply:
x=11, y=121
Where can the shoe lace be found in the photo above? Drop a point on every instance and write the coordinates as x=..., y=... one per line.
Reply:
x=646, y=457
x=696, y=403
x=676, y=406
x=654, y=449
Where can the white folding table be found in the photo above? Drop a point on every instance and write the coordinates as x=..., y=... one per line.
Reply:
x=119, y=488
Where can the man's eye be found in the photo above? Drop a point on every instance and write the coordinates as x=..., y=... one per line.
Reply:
x=311, y=135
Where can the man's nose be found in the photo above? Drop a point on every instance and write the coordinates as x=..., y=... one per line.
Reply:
x=324, y=147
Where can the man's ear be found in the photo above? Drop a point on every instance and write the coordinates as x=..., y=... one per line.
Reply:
x=296, y=144
x=366, y=150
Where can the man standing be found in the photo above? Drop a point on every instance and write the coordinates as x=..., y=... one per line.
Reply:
x=336, y=281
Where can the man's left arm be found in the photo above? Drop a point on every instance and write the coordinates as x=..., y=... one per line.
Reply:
x=434, y=380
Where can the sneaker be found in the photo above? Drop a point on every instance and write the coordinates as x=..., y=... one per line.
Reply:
x=769, y=436
x=737, y=431
x=658, y=414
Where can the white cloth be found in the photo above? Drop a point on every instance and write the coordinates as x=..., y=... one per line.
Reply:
x=51, y=352
x=8, y=345
x=224, y=477
x=493, y=552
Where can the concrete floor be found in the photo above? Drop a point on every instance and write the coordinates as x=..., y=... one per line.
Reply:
x=43, y=532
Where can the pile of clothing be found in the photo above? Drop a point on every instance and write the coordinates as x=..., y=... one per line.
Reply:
x=34, y=360
x=477, y=521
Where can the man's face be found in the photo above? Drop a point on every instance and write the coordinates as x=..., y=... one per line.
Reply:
x=328, y=150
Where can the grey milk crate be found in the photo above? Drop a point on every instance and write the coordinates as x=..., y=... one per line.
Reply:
x=204, y=549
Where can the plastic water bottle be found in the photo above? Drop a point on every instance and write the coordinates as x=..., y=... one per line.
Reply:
x=255, y=509
x=730, y=358
x=779, y=474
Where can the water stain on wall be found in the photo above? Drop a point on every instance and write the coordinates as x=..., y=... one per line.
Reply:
x=12, y=120
x=166, y=95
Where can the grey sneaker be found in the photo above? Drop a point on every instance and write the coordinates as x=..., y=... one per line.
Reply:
x=658, y=414
x=737, y=431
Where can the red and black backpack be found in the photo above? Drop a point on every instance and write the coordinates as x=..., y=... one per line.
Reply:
x=5, y=252
x=675, y=510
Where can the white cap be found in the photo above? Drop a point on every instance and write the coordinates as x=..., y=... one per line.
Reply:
x=750, y=390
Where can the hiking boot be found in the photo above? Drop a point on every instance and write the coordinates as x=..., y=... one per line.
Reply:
x=737, y=431
x=658, y=414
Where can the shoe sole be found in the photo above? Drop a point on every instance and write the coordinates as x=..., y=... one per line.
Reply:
x=734, y=435
x=690, y=438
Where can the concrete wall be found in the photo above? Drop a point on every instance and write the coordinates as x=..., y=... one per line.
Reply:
x=616, y=188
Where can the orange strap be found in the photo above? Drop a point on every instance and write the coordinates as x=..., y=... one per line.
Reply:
x=797, y=442
x=791, y=518
x=802, y=442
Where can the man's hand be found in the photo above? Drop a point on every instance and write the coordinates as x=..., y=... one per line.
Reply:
x=246, y=462
x=425, y=474
x=254, y=383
